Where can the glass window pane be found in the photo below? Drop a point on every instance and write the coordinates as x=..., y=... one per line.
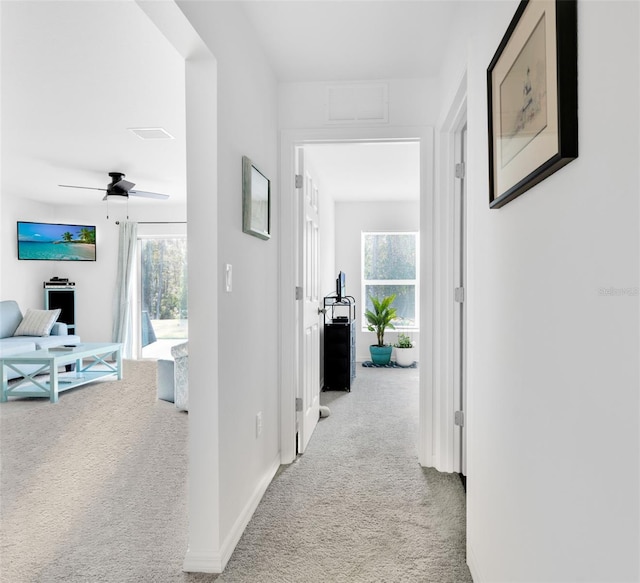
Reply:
x=405, y=302
x=389, y=256
x=164, y=291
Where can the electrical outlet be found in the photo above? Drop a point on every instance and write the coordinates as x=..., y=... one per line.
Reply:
x=258, y=424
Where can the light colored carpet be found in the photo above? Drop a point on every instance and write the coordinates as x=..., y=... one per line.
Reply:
x=93, y=489
x=357, y=507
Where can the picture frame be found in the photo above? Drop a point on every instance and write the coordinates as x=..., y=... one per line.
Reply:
x=532, y=85
x=256, y=201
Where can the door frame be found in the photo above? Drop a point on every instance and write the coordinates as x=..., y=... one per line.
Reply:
x=460, y=309
x=289, y=357
x=445, y=400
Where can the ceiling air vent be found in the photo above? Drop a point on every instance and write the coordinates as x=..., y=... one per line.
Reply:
x=357, y=103
x=151, y=133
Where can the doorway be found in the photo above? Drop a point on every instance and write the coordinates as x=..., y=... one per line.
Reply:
x=290, y=367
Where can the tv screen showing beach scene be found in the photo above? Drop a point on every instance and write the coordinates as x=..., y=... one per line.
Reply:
x=55, y=242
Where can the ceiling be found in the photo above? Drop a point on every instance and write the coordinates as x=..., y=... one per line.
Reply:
x=76, y=76
x=325, y=40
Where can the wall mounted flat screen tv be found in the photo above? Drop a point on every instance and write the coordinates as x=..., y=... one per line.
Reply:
x=56, y=242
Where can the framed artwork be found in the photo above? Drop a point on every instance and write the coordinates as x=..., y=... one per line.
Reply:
x=256, y=201
x=532, y=86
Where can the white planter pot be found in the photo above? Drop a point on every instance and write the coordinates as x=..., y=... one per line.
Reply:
x=404, y=356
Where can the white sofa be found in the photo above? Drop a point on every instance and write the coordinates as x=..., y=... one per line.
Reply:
x=10, y=319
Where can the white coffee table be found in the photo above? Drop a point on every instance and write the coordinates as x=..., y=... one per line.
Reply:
x=96, y=368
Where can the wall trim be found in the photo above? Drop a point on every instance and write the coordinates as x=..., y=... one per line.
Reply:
x=205, y=561
x=231, y=540
x=202, y=562
x=472, y=563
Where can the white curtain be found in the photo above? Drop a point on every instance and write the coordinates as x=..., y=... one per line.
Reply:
x=123, y=299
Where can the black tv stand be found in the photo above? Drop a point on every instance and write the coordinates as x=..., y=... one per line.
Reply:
x=339, y=342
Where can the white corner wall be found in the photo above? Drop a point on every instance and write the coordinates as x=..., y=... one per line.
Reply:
x=352, y=218
x=553, y=343
x=246, y=319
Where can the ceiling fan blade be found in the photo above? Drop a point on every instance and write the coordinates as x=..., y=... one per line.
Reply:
x=124, y=185
x=83, y=187
x=148, y=194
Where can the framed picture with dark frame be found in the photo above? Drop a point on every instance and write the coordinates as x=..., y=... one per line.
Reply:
x=533, y=98
x=256, y=201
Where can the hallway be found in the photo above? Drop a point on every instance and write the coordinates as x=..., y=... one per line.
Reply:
x=357, y=507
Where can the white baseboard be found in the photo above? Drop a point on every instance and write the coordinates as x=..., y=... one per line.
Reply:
x=212, y=562
x=203, y=562
x=472, y=563
x=242, y=521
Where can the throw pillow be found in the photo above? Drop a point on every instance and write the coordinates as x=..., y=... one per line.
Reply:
x=37, y=323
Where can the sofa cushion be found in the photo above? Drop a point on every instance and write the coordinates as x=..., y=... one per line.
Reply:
x=37, y=322
x=49, y=341
x=17, y=345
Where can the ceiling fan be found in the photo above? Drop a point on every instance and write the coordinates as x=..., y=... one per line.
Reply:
x=120, y=187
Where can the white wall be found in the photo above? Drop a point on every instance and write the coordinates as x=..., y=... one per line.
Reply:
x=352, y=218
x=553, y=375
x=247, y=318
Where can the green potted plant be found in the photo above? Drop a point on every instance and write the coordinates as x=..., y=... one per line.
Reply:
x=379, y=320
x=404, y=350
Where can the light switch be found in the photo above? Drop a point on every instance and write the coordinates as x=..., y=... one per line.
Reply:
x=228, y=277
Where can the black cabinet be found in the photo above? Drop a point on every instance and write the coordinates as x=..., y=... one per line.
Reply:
x=339, y=343
x=64, y=298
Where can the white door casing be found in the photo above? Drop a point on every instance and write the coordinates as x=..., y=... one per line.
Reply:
x=459, y=316
x=309, y=336
x=447, y=399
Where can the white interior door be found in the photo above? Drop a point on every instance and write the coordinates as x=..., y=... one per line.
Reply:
x=309, y=318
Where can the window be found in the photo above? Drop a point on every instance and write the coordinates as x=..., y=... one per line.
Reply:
x=163, y=290
x=390, y=266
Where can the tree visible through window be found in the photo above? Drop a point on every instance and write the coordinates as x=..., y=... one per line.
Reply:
x=163, y=263
x=390, y=266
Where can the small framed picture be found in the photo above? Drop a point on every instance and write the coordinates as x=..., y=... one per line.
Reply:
x=256, y=201
x=532, y=86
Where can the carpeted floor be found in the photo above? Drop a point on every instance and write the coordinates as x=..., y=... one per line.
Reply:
x=357, y=507
x=93, y=489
